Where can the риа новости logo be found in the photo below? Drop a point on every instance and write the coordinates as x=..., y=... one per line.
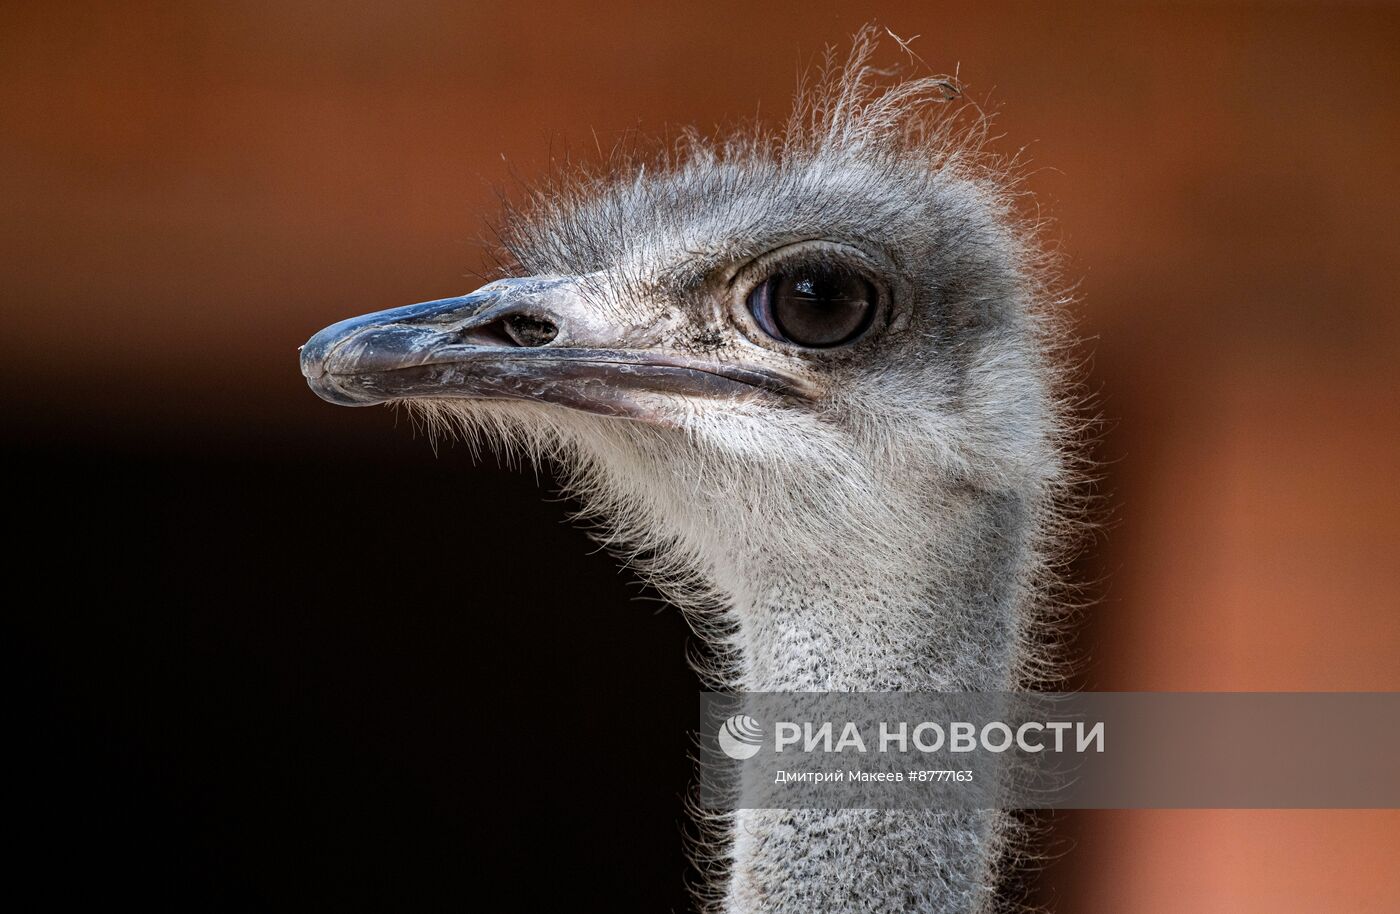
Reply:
x=740, y=737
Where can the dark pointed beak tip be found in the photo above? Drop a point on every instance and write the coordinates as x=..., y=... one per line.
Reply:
x=313, y=357
x=317, y=350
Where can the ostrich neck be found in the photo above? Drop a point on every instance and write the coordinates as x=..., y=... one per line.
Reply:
x=954, y=625
x=949, y=620
x=874, y=639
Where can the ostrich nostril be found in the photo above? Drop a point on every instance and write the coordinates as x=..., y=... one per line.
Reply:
x=528, y=331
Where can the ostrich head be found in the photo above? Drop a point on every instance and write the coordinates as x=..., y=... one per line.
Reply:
x=772, y=357
x=807, y=379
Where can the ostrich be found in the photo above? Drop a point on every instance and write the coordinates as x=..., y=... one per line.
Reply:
x=808, y=379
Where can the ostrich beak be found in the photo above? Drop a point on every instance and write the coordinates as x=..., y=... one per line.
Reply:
x=525, y=339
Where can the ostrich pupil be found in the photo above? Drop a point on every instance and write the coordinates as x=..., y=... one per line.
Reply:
x=813, y=307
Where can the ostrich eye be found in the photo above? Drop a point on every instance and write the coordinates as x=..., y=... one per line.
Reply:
x=813, y=307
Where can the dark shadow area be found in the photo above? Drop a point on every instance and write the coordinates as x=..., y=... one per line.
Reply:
x=351, y=680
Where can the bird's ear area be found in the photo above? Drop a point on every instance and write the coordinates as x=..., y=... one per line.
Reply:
x=813, y=297
x=538, y=338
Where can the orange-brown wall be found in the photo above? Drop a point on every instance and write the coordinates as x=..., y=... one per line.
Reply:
x=189, y=190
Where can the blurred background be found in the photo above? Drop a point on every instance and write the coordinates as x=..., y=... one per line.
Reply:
x=227, y=703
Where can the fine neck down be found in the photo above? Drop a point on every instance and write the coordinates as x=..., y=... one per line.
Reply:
x=951, y=622
x=954, y=625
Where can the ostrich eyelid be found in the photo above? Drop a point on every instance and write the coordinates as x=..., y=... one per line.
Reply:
x=791, y=250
